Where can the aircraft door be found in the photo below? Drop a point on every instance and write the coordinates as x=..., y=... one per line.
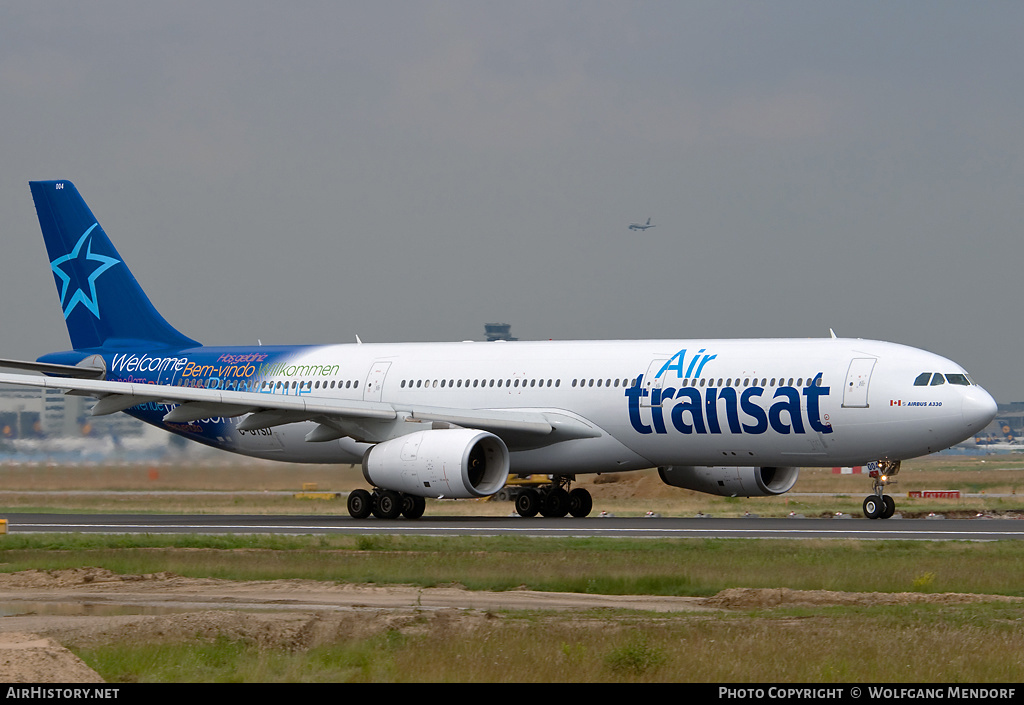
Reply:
x=855, y=393
x=374, y=387
x=652, y=382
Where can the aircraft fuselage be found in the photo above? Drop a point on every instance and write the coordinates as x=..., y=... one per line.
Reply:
x=660, y=402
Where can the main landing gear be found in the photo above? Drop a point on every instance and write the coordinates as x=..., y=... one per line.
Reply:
x=880, y=505
x=555, y=500
x=385, y=504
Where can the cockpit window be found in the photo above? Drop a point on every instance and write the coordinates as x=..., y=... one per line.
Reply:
x=935, y=379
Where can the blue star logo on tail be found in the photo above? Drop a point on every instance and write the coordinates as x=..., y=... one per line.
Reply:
x=81, y=262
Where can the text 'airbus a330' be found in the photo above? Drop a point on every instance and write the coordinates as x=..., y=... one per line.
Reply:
x=454, y=420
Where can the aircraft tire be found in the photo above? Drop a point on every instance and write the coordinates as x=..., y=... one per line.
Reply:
x=873, y=507
x=527, y=503
x=413, y=506
x=360, y=504
x=888, y=507
x=580, y=502
x=388, y=505
x=555, y=503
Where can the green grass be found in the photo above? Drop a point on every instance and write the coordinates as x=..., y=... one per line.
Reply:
x=980, y=642
x=697, y=567
x=972, y=643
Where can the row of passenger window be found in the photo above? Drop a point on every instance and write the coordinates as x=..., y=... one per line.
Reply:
x=752, y=382
x=244, y=385
x=593, y=382
x=934, y=379
x=294, y=384
x=456, y=383
x=307, y=384
x=922, y=380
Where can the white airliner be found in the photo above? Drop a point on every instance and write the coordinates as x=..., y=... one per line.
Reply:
x=641, y=226
x=453, y=420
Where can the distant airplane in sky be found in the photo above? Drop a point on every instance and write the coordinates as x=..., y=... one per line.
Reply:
x=639, y=226
x=454, y=420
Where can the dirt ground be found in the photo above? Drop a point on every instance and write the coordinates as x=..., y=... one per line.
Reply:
x=46, y=610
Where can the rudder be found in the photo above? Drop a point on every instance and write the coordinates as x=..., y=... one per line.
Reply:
x=104, y=307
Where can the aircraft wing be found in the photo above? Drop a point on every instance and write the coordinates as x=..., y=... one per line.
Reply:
x=366, y=421
x=84, y=371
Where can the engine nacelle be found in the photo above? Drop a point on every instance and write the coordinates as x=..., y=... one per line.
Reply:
x=731, y=481
x=457, y=463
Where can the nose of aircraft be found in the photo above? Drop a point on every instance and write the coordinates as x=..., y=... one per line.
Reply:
x=979, y=408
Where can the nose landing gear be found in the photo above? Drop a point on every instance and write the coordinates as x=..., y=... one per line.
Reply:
x=880, y=505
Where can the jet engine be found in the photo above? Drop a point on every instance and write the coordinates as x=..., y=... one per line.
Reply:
x=731, y=481
x=458, y=463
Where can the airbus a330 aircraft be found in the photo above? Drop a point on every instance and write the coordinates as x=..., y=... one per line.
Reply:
x=453, y=420
x=641, y=226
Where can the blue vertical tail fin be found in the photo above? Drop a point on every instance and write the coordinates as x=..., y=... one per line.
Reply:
x=104, y=306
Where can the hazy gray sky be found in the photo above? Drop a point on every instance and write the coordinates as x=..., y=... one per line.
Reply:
x=310, y=171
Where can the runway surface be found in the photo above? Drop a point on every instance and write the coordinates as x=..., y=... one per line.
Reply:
x=657, y=527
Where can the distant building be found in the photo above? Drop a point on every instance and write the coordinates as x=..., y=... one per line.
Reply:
x=28, y=412
x=21, y=412
x=498, y=331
